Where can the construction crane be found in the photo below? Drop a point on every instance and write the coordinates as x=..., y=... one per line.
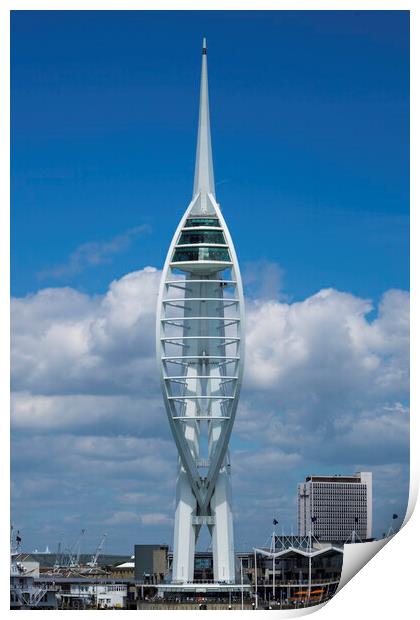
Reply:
x=58, y=558
x=74, y=555
x=94, y=561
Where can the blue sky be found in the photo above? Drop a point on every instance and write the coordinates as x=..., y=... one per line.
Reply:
x=310, y=128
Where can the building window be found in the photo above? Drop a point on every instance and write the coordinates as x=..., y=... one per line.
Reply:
x=192, y=222
x=202, y=236
x=201, y=253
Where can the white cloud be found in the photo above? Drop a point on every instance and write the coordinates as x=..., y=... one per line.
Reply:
x=324, y=355
x=106, y=345
x=156, y=518
x=93, y=253
x=138, y=498
x=87, y=413
x=326, y=387
x=122, y=517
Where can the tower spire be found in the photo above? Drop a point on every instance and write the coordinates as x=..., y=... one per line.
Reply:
x=204, y=179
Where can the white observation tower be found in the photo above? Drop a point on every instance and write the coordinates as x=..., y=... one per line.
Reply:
x=200, y=351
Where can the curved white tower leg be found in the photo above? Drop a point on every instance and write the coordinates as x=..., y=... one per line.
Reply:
x=223, y=550
x=200, y=351
x=184, y=536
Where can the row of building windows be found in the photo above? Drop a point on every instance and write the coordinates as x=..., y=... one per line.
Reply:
x=202, y=236
x=342, y=508
x=104, y=588
x=193, y=222
x=335, y=485
x=318, y=483
x=182, y=255
x=343, y=493
x=332, y=527
x=345, y=524
x=334, y=515
x=339, y=502
x=350, y=493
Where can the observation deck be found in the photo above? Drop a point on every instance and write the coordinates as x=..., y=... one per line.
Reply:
x=201, y=247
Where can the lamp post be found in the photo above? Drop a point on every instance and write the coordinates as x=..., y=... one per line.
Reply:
x=273, y=549
x=242, y=585
x=274, y=576
x=256, y=578
x=310, y=575
x=313, y=521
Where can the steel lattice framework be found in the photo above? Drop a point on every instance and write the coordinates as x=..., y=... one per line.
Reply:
x=200, y=351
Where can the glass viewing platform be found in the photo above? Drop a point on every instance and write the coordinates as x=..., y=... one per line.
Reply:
x=200, y=247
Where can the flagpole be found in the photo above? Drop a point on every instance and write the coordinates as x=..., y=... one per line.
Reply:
x=391, y=529
x=313, y=521
x=256, y=579
x=242, y=585
x=310, y=572
x=310, y=563
x=274, y=562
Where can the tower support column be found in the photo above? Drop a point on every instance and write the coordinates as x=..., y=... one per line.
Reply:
x=222, y=535
x=184, y=533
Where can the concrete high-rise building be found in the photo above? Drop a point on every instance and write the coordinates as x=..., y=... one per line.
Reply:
x=333, y=507
x=200, y=351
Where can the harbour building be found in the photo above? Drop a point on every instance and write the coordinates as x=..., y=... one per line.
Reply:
x=336, y=508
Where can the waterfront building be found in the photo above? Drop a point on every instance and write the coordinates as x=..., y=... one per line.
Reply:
x=300, y=572
x=36, y=586
x=90, y=592
x=200, y=352
x=27, y=591
x=124, y=571
x=294, y=571
x=336, y=508
x=150, y=563
x=84, y=593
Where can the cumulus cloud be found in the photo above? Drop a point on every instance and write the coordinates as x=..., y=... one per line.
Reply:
x=315, y=360
x=105, y=347
x=325, y=391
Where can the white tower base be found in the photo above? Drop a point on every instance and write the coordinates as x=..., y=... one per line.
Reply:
x=184, y=534
x=188, y=524
x=223, y=548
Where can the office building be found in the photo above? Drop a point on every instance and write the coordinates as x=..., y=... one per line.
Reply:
x=336, y=508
